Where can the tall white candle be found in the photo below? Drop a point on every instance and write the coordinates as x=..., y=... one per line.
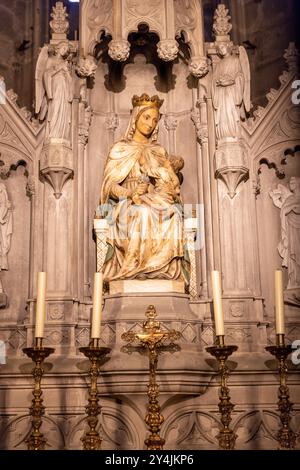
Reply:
x=40, y=305
x=97, y=305
x=279, y=304
x=217, y=299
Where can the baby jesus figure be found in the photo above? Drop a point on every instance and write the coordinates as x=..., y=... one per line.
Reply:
x=167, y=181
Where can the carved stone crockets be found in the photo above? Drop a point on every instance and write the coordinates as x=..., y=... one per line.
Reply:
x=169, y=19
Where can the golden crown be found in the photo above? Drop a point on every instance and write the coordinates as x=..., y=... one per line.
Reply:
x=146, y=100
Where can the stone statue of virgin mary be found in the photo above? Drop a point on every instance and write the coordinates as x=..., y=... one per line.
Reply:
x=141, y=190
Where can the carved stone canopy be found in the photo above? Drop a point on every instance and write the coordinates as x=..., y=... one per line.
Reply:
x=168, y=19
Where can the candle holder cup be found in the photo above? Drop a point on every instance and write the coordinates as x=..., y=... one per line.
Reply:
x=38, y=353
x=285, y=436
x=221, y=352
x=91, y=439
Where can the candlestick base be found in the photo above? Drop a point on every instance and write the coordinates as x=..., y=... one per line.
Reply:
x=285, y=436
x=38, y=354
x=226, y=436
x=91, y=439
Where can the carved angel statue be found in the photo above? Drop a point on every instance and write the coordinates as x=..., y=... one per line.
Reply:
x=5, y=227
x=54, y=90
x=288, y=201
x=230, y=90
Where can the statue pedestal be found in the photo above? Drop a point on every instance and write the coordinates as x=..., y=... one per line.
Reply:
x=136, y=286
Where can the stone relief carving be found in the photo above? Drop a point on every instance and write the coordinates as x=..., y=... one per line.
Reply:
x=167, y=49
x=184, y=14
x=288, y=201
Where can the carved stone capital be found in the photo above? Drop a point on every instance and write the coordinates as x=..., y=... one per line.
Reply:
x=167, y=49
x=198, y=66
x=119, y=50
x=231, y=165
x=112, y=122
x=170, y=122
x=86, y=67
x=201, y=128
x=84, y=125
x=56, y=164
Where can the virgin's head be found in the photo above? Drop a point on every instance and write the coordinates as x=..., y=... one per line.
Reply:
x=146, y=121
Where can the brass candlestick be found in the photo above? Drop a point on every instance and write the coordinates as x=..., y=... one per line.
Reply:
x=152, y=337
x=285, y=436
x=38, y=354
x=221, y=352
x=91, y=439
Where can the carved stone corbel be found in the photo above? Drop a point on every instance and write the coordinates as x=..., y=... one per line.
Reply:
x=231, y=165
x=56, y=165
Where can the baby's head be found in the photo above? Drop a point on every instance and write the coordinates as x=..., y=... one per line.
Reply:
x=177, y=163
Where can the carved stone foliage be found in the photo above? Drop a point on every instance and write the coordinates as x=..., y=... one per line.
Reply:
x=119, y=49
x=86, y=67
x=222, y=25
x=198, y=66
x=167, y=49
x=59, y=23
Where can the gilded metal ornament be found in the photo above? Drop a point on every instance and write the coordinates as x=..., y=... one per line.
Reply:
x=221, y=352
x=91, y=439
x=285, y=436
x=36, y=439
x=152, y=337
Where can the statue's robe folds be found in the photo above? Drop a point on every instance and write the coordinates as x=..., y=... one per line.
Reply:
x=146, y=239
x=227, y=100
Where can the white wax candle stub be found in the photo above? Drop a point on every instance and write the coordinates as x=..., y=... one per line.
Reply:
x=97, y=306
x=217, y=300
x=40, y=305
x=279, y=304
